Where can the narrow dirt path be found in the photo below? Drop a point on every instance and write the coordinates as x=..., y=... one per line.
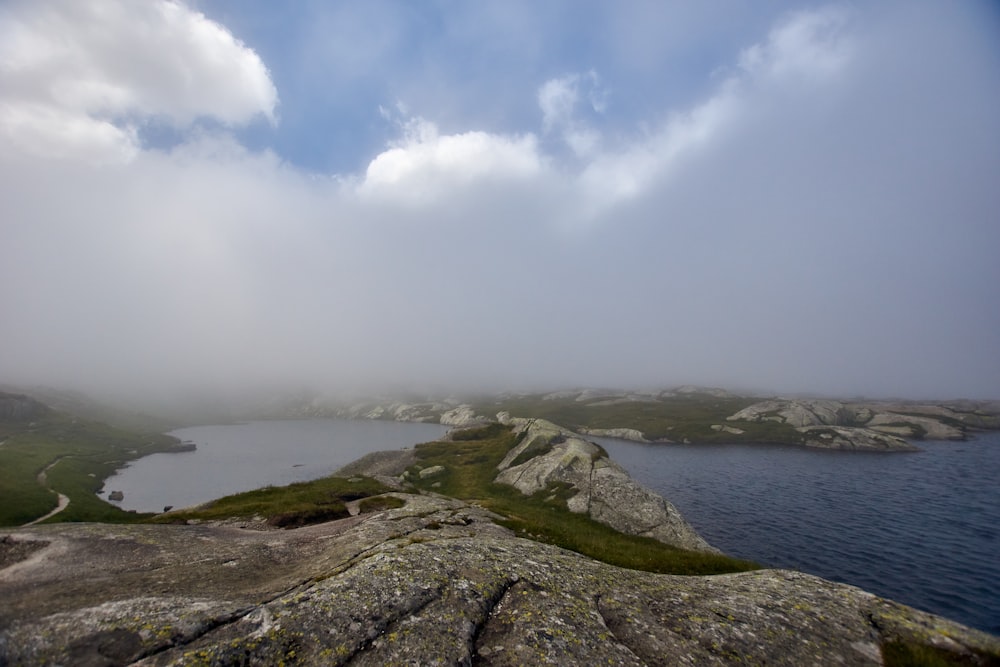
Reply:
x=63, y=500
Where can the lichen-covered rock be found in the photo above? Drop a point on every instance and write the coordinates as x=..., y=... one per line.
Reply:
x=435, y=582
x=549, y=454
x=929, y=428
x=431, y=472
x=463, y=415
x=845, y=437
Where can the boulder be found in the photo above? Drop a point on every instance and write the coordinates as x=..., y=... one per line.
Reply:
x=463, y=415
x=431, y=472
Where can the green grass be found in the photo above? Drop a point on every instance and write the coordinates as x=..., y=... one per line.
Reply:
x=298, y=504
x=85, y=453
x=900, y=654
x=470, y=466
x=676, y=418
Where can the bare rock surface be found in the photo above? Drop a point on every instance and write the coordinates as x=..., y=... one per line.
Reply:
x=882, y=426
x=621, y=433
x=434, y=582
x=602, y=489
x=17, y=407
x=463, y=415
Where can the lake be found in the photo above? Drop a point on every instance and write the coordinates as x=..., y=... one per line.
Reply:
x=921, y=528
x=241, y=457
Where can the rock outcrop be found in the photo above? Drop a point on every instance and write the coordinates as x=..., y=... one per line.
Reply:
x=870, y=426
x=19, y=408
x=632, y=434
x=463, y=415
x=600, y=487
x=434, y=582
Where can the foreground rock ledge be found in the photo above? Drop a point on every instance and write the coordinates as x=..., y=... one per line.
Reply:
x=435, y=582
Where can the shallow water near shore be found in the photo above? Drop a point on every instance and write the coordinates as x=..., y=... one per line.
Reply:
x=231, y=458
x=921, y=528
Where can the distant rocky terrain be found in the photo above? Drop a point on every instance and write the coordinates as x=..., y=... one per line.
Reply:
x=694, y=414
x=20, y=408
x=873, y=425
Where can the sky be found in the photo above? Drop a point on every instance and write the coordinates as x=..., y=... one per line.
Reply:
x=216, y=195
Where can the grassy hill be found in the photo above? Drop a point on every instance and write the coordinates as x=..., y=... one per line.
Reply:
x=76, y=455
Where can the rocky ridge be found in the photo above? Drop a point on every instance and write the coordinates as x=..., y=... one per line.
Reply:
x=434, y=582
x=601, y=488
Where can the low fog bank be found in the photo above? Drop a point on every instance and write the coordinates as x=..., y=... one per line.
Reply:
x=820, y=217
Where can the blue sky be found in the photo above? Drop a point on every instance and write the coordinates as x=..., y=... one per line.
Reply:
x=213, y=195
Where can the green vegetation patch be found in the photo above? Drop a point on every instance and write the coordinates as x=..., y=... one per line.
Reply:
x=76, y=455
x=470, y=466
x=676, y=418
x=905, y=654
x=299, y=504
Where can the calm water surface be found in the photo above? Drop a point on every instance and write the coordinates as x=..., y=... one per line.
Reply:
x=921, y=528
x=242, y=457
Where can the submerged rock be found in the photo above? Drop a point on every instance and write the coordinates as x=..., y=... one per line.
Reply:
x=435, y=582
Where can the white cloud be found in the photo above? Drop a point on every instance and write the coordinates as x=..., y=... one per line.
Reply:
x=559, y=98
x=52, y=132
x=78, y=77
x=806, y=45
x=426, y=165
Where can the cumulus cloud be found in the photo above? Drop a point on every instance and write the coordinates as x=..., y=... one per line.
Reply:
x=425, y=165
x=80, y=78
